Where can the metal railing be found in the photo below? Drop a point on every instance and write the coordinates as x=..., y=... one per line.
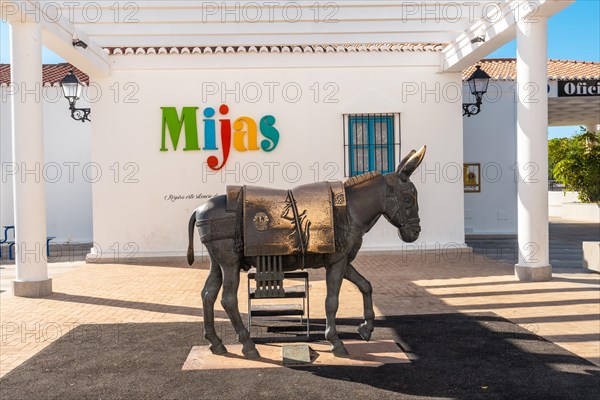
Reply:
x=554, y=186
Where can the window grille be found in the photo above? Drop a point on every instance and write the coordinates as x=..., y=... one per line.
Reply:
x=370, y=143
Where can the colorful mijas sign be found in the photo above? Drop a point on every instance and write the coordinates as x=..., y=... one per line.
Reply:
x=244, y=134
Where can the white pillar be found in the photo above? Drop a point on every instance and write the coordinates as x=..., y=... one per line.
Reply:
x=28, y=154
x=532, y=150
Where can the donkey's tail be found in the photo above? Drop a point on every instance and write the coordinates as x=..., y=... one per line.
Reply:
x=190, y=252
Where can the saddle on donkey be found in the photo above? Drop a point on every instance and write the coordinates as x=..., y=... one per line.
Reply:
x=285, y=222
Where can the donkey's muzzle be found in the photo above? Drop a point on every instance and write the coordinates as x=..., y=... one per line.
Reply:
x=410, y=232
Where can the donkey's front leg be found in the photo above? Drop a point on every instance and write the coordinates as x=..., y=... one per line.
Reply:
x=366, y=328
x=334, y=277
x=231, y=282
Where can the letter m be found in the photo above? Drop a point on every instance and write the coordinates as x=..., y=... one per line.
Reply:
x=173, y=123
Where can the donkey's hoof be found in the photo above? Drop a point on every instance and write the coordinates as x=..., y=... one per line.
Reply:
x=340, y=351
x=365, y=332
x=252, y=354
x=218, y=349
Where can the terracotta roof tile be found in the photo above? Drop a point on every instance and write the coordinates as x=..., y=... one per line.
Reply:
x=323, y=48
x=506, y=69
x=52, y=74
x=497, y=68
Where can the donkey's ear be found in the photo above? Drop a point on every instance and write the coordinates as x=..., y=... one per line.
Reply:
x=413, y=162
x=404, y=160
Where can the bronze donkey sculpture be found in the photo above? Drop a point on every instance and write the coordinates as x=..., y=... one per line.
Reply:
x=367, y=198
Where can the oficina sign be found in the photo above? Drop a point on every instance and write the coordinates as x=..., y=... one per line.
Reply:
x=579, y=88
x=244, y=135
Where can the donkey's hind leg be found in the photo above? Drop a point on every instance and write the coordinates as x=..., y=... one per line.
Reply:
x=209, y=296
x=231, y=283
x=366, y=328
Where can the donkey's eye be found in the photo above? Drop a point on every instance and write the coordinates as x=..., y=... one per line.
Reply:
x=409, y=200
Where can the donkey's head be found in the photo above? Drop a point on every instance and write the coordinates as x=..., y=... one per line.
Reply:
x=401, y=207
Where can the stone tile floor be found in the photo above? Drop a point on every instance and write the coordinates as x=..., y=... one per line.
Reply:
x=565, y=243
x=565, y=310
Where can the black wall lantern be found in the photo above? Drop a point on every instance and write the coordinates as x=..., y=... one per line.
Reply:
x=478, y=84
x=72, y=90
x=79, y=43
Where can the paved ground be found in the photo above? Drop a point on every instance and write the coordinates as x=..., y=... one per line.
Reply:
x=452, y=356
x=565, y=311
x=8, y=273
x=565, y=244
x=60, y=253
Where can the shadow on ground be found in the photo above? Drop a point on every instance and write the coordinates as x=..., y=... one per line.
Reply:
x=135, y=305
x=453, y=356
x=566, y=253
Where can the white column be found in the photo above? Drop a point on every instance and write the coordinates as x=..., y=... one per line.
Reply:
x=532, y=150
x=28, y=154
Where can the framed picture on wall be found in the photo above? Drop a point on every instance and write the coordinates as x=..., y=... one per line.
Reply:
x=472, y=177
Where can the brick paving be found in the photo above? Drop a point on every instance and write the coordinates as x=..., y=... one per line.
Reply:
x=565, y=243
x=565, y=310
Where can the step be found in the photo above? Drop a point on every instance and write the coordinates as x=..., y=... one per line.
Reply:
x=291, y=292
x=290, y=275
x=273, y=310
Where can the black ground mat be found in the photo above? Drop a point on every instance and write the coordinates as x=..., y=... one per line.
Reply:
x=454, y=356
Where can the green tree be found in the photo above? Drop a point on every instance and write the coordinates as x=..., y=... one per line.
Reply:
x=575, y=162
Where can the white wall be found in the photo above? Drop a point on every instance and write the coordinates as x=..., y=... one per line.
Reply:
x=557, y=199
x=67, y=158
x=566, y=205
x=137, y=216
x=583, y=212
x=490, y=139
x=6, y=191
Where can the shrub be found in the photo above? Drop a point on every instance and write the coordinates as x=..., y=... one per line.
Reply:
x=575, y=162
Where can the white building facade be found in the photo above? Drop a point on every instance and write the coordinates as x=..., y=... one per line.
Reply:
x=308, y=105
x=168, y=94
x=490, y=137
x=66, y=171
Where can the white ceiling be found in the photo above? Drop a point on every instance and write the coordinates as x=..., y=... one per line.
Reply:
x=110, y=23
x=572, y=111
x=223, y=23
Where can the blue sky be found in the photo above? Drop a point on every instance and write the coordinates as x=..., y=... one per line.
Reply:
x=573, y=34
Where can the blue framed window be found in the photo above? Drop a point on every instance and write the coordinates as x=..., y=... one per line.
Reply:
x=371, y=143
